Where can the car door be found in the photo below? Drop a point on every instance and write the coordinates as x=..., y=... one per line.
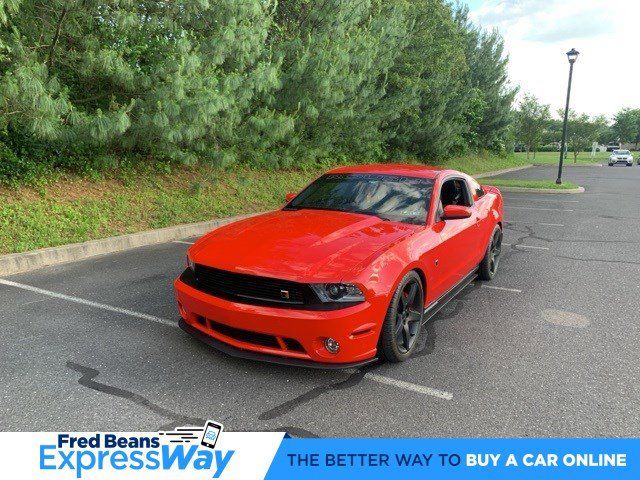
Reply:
x=453, y=256
x=485, y=222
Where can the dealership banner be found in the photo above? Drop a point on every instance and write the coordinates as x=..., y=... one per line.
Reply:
x=208, y=452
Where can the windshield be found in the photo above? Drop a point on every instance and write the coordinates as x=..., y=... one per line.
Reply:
x=390, y=197
x=622, y=152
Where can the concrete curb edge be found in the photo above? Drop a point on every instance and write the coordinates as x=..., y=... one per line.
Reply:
x=542, y=190
x=22, y=262
x=500, y=172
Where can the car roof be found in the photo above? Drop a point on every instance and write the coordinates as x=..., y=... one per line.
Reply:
x=420, y=171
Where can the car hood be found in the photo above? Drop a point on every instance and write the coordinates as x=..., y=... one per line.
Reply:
x=299, y=245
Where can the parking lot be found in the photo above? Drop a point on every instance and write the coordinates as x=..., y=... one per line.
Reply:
x=549, y=348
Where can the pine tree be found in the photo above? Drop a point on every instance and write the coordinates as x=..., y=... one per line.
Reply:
x=488, y=76
x=336, y=57
x=170, y=78
x=427, y=84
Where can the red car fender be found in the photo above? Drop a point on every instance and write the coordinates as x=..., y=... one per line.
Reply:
x=498, y=205
x=383, y=275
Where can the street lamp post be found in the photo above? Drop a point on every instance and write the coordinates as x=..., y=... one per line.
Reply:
x=572, y=55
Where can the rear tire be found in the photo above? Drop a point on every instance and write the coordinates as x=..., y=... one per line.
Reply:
x=403, y=323
x=489, y=264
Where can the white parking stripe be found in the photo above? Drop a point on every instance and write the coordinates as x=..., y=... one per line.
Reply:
x=535, y=223
x=529, y=199
x=182, y=241
x=538, y=208
x=432, y=392
x=525, y=246
x=89, y=303
x=371, y=376
x=504, y=289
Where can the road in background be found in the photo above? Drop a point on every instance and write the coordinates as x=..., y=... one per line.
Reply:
x=549, y=348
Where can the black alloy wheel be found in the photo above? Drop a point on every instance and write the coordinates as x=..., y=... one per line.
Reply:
x=408, y=316
x=494, y=252
x=489, y=264
x=403, y=323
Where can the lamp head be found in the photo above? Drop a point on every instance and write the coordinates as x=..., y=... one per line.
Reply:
x=572, y=55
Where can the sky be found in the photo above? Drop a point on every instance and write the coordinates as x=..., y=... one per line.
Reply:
x=538, y=33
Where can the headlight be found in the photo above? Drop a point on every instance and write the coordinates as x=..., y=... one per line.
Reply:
x=337, y=292
x=190, y=264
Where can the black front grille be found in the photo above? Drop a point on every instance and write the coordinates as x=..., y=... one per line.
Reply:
x=250, y=288
x=245, y=335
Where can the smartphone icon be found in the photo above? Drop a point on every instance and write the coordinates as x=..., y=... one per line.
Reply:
x=211, y=433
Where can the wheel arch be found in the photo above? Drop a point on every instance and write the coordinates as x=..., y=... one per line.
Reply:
x=423, y=279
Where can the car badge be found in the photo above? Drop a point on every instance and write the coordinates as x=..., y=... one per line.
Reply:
x=284, y=294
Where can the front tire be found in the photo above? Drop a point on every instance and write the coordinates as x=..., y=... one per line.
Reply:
x=489, y=264
x=403, y=323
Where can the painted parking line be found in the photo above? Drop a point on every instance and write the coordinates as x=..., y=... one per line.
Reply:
x=432, y=392
x=531, y=199
x=539, y=208
x=535, y=223
x=89, y=303
x=182, y=241
x=163, y=321
x=533, y=247
x=502, y=289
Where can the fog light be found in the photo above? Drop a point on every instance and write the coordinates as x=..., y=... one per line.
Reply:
x=331, y=345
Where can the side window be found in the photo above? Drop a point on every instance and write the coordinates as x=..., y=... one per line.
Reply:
x=476, y=189
x=455, y=192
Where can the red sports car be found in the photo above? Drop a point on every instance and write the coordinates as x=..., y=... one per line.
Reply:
x=347, y=271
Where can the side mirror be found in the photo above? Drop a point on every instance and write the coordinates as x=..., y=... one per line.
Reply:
x=290, y=196
x=455, y=212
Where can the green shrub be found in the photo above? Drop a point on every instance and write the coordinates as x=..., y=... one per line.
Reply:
x=15, y=169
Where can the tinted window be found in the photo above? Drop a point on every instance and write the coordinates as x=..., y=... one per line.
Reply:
x=476, y=188
x=622, y=152
x=390, y=197
x=454, y=192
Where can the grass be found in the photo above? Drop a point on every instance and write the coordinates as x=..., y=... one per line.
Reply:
x=508, y=182
x=78, y=209
x=483, y=163
x=68, y=209
x=552, y=158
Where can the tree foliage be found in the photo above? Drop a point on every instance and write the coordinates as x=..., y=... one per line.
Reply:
x=532, y=117
x=258, y=81
x=582, y=131
x=626, y=126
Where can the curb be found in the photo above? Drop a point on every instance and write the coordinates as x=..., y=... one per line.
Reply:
x=541, y=190
x=500, y=172
x=22, y=262
x=570, y=165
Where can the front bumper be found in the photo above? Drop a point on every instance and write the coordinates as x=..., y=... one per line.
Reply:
x=281, y=335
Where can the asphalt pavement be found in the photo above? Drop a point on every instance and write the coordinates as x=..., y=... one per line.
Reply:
x=549, y=348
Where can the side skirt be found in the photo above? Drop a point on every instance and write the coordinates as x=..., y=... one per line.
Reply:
x=435, y=306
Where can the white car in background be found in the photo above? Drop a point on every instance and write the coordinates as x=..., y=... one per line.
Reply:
x=621, y=156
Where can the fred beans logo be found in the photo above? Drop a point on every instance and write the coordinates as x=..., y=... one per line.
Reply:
x=185, y=448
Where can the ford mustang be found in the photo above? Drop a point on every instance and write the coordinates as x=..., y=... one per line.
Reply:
x=347, y=271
